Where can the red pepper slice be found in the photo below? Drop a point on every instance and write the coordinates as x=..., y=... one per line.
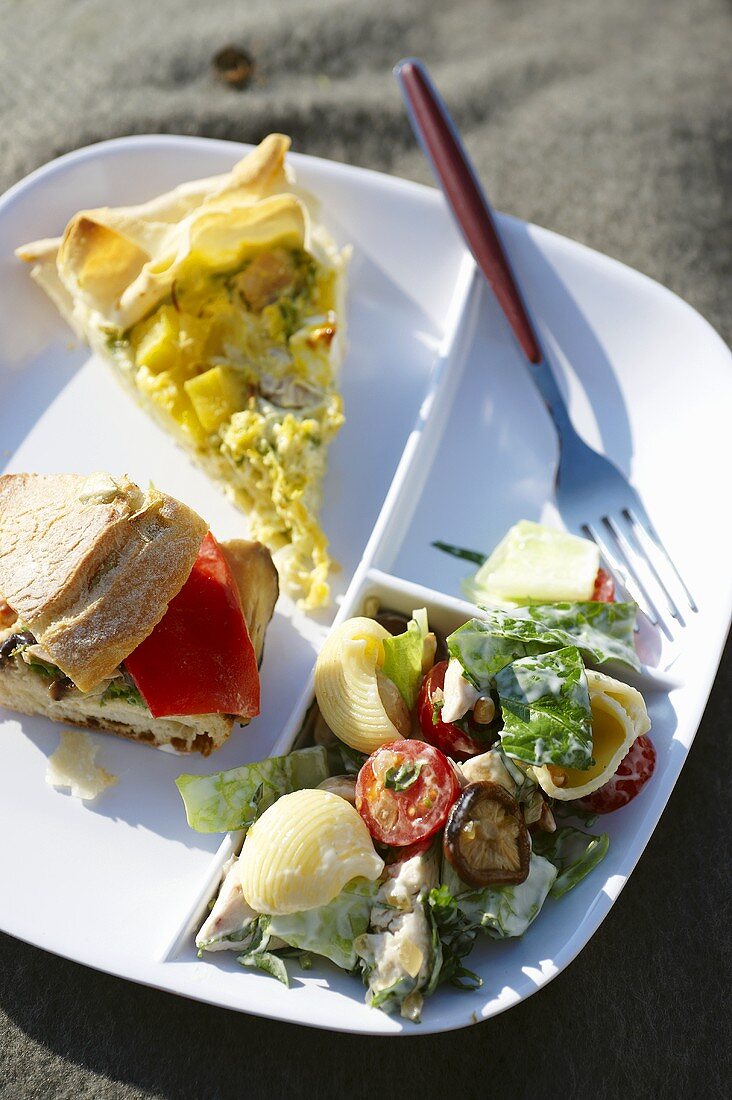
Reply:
x=199, y=659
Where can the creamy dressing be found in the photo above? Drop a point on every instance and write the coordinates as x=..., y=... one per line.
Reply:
x=535, y=687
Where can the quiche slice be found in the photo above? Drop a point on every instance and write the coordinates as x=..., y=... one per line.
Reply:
x=220, y=306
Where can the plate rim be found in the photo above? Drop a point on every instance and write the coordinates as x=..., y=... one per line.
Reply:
x=597, y=914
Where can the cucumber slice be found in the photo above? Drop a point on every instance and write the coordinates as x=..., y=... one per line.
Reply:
x=536, y=564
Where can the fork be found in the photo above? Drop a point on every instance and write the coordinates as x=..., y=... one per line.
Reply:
x=593, y=497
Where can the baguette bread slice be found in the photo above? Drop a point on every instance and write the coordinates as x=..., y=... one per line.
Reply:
x=25, y=689
x=90, y=564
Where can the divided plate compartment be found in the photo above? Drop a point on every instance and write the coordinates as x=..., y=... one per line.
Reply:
x=512, y=969
x=425, y=338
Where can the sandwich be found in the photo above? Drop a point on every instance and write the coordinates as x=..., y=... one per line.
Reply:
x=220, y=307
x=119, y=611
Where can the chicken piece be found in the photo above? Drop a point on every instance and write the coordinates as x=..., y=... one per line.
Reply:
x=222, y=930
x=398, y=952
x=265, y=279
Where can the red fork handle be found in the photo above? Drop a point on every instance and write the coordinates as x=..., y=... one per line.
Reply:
x=441, y=143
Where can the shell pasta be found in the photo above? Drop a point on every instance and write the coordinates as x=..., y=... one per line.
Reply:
x=302, y=851
x=619, y=717
x=348, y=690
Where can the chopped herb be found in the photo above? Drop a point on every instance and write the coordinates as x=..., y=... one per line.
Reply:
x=116, y=341
x=289, y=315
x=460, y=552
x=573, y=853
x=403, y=777
x=457, y=937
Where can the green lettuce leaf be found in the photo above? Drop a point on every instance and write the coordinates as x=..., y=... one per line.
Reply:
x=563, y=810
x=234, y=799
x=403, y=658
x=545, y=705
x=485, y=646
x=500, y=911
x=328, y=931
x=268, y=962
x=601, y=631
x=573, y=853
x=120, y=689
x=331, y=929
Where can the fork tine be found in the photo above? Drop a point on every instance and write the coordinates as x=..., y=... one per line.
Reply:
x=641, y=549
x=622, y=569
x=610, y=560
x=645, y=533
x=639, y=569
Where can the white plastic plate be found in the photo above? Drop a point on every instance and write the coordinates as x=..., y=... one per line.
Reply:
x=445, y=439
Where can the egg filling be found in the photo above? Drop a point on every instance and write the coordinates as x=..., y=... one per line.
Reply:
x=236, y=364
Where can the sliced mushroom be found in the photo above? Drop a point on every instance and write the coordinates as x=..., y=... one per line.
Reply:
x=13, y=641
x=342, y=785
x=486, y=839
x=394, y=621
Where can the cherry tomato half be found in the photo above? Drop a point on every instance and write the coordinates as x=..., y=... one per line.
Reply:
x=447, y=736
x=632, y=775
x=404, y=792
x=604, y=591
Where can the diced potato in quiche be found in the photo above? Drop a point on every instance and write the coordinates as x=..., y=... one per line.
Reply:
x=221, y=307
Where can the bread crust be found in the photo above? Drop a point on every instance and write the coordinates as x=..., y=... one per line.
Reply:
x=90, y=564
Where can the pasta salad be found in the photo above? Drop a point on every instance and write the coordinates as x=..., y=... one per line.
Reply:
x=443, y=787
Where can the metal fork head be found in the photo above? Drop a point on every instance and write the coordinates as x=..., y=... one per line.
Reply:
x=596, y=500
